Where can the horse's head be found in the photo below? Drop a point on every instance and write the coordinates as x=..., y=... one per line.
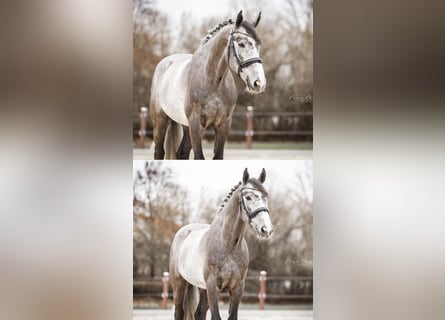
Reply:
x=253, y=204
x=243, y=54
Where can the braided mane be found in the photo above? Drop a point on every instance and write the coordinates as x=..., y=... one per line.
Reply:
x=215, y=29
x=229, y=195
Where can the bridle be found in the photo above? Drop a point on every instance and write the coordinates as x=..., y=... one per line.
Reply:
x=241, y=64
x=250, y=214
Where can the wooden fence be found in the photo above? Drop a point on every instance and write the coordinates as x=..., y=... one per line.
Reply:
x=275, y=289
x=272, y=124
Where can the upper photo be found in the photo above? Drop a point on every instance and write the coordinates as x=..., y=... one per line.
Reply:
x=230, y=79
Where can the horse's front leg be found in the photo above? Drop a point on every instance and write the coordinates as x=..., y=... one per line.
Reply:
x=212, y=296
x=235, y=298
x=221, y=134
x=196, y=135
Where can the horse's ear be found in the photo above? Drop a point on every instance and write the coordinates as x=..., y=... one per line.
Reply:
x=257, y=20
x=262, y=177
x=239, y=19
x=245, y=176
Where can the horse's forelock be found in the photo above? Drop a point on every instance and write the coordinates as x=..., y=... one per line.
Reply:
x=250, y=29
x=257, y=185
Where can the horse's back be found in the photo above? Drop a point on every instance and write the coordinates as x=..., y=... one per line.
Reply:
x=169, y=86
x=188, y=253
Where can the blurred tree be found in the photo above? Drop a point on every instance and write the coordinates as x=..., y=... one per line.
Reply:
x=208, y=206
x=160, y=207
x=191, y=33
x=151, y=40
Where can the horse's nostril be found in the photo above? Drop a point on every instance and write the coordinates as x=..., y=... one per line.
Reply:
x=257, y=84
x=266, y=231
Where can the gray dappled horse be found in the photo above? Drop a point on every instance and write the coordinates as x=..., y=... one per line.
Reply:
x=206, y=259
x=198, y=91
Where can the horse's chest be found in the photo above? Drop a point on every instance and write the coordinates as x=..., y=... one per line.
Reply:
x=215, y=114
x=212, y=118
x=213, y=107
x=231, y=273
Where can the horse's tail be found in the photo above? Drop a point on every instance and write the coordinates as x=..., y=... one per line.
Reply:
x=173, y=139
x=191, y=301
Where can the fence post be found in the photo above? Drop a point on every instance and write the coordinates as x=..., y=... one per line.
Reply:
x=165, y=279
x=249, y=130
x=143, y=127
x=262, y=294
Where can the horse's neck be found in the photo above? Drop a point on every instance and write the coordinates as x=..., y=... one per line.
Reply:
x=217, y=67
x=233, y=226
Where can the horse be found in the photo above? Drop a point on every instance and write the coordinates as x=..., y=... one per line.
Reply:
x=207, y=259
x=198, y=91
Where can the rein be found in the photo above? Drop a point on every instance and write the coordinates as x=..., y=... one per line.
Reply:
x=254, y=213
x=241, y=64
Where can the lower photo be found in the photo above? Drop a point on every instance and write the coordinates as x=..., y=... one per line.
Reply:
x=222, y=240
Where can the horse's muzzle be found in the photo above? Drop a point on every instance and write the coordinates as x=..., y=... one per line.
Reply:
x=256, y=87
x=266, y=232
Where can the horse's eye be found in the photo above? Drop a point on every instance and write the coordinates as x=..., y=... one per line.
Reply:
x=248, y=198
x=242, y=45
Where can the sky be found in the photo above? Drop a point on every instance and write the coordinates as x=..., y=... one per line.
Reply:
x=204, y=8
x=199, y=8
x=218, y=177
